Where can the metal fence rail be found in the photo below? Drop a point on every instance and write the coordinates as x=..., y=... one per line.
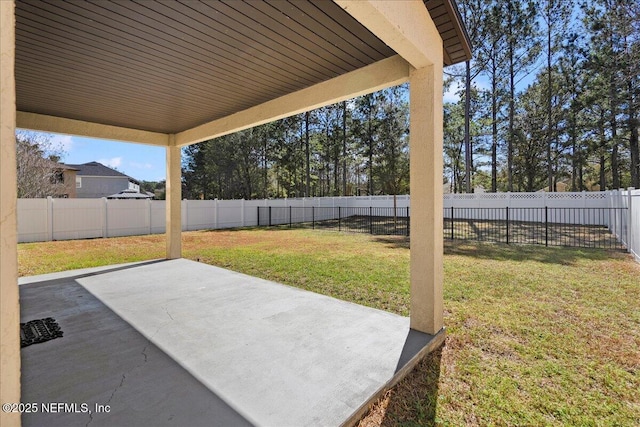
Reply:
x=572, y=227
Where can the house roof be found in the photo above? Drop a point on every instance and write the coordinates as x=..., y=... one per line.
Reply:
x=168, y=67
x=130, y=194
x=98, y=169
x=61, y=166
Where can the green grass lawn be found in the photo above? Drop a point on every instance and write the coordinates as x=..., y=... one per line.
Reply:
x=535, y=336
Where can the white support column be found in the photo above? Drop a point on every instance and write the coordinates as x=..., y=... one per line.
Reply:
x=174, y=201
x=9, y=297
x=426, y=198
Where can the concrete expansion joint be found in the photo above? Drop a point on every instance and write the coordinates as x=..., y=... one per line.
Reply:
x=168, y=314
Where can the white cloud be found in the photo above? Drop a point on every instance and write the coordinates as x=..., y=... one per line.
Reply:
x=114, y=162
x=141, y=165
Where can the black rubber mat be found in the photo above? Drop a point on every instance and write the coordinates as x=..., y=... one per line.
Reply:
x=40, y=330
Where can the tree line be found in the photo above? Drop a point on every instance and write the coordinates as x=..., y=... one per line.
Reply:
x=550, y=98
x=355, y=147
x=575, y=123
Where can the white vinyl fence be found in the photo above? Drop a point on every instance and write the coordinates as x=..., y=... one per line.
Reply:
x=63, y=219
x=628, y=232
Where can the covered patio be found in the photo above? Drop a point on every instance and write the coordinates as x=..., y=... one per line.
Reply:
x=176, y=342
x=177, y=73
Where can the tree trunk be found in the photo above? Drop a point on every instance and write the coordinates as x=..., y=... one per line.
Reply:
x=467, y=136
x=603, y=179
x=306, y=153
x=370, y=157
x=494, y=129
x=549, y=106
x=615, y=176
x=344, y=148
x=512, y=94
x=264, y=168
x=633, y=139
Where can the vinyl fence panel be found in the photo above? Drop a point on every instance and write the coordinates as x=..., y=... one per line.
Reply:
x=33, y=220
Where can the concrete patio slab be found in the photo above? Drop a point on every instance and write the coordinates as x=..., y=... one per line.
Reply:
x=177, y=342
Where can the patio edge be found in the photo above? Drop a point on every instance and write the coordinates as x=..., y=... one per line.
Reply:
x=437, y=340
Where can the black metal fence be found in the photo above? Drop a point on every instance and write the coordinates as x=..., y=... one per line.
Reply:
x=379, y=221
x=572, y=227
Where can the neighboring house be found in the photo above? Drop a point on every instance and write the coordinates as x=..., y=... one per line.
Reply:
x=66, y=175
x=95, y=180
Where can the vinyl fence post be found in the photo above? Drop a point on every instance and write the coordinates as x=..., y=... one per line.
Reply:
x=629, y=218
x=242, y=212
x=313, y=217
x=339, y=219
x=507, y=225
x=50, y=218
x=185, y=215
x=105, y=218
x=216, y=212
x=546, y=226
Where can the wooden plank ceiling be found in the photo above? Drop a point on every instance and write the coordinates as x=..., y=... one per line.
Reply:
x=172, y=65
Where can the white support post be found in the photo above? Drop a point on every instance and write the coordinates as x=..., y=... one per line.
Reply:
x=426, y=163
x=173, y=206
x=242, y=212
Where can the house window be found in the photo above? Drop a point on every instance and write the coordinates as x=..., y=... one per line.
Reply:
x=78, y=182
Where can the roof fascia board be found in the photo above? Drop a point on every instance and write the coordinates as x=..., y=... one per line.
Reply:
x=458, y=24
x=405, y=26
x=106, y=177
x=53, y=124
x=380, y=75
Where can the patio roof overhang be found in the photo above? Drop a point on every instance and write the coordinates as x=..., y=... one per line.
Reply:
x=177, y=73
x=140, y=71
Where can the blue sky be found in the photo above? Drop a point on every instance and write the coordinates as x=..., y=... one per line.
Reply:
x=142, y=162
